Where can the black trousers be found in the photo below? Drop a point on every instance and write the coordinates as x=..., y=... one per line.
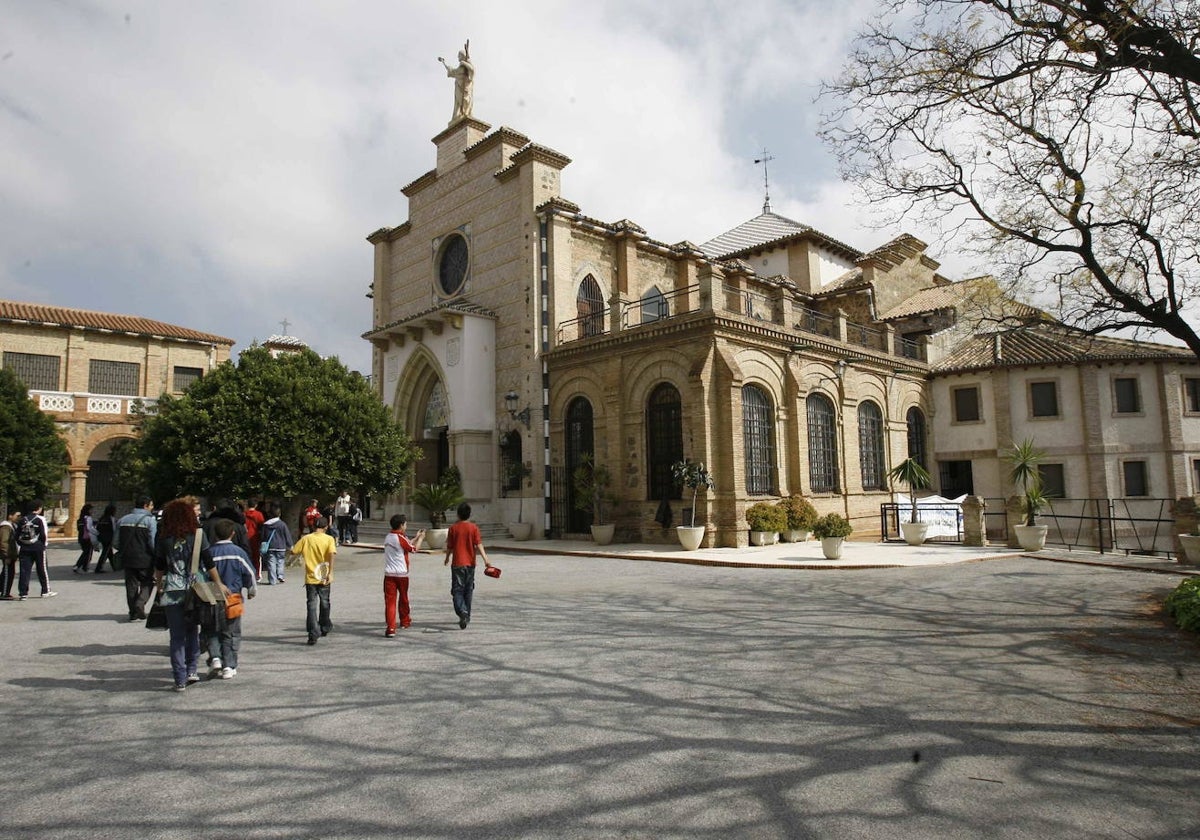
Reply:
x=139, y=583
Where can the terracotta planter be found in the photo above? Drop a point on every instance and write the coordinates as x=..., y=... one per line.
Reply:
x=603, y=534
x=520, y=530
x=436, y=537
x=914, y=532
x=690, y=537
x=1190, y=543
x=831, y=547
x=795, y=535
x=1032, y=537
x=762, y=538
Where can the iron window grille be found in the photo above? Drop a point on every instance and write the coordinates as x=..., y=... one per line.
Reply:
x=822, y=445
x=870, y=446
x=758, y=429
x=915, y=420
x=39, y=372
x=664, y=443
x=108, y=377
x=185, y=376
x=590, y=307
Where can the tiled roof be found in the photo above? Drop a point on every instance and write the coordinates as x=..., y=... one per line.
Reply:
x=464, y=306
x=37, y=313
x=1047, y=343
x=284, y=341
x=768, y=227
x=979, y=294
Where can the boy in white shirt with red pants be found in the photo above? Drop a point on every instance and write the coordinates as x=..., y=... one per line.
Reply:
x=396, y=551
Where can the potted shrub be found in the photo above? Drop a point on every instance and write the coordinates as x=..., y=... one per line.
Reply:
x=593, y=483
x=766, y=521
x=515, y=472
x=692, y=476
x=832, y=530
x=436, y=499
x=1023, y=462
x=917, y=478
x=800, y=518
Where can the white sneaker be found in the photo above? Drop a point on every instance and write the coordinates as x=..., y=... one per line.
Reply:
x=215, y=664
x=228, y=673
x=49, y=594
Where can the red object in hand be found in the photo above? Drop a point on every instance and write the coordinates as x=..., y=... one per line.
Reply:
x=492, y=571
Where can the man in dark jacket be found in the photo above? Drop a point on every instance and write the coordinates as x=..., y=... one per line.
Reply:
x=134, y=542
x=225, y=509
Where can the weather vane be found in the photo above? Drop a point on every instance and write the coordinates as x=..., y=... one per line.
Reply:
x=766, y=185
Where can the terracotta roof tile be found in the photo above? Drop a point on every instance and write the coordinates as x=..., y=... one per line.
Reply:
x=37, y=313
x=1046, y=343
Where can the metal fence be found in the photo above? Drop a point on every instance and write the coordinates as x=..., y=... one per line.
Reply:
x=1129, y=526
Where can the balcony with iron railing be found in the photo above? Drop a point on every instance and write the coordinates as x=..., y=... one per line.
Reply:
x=749, y=303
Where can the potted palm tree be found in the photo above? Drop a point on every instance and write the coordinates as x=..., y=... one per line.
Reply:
x=917, y=478
x=693, y=476
x=800, y=518
x=832, y=530
x=766, y=521
x=436, y=499
x=593, y=492
x=1023, y=462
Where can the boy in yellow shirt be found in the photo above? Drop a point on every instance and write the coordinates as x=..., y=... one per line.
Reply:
x=318, y=549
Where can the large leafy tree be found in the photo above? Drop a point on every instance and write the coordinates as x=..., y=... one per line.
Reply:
x=274, y=426
x=33, y=456
x=1069, y=128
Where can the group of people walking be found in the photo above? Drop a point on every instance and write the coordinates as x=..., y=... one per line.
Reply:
x=233, y=547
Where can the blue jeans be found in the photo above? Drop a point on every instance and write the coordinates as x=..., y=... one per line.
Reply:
x=462, y=586
x=275, y=560
x=319, y=622
x=185, y=643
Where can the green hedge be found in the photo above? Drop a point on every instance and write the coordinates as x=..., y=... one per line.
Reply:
x=1183, y=604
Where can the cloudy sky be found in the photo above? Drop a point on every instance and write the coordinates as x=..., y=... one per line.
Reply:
x=218, y=164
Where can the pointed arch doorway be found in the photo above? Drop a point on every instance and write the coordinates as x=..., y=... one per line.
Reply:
x=423, y=407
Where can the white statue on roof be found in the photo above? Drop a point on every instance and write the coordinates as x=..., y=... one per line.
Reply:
x=464, y=82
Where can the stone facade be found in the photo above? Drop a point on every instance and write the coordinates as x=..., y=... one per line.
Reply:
x=69, y=352
x=786, y=361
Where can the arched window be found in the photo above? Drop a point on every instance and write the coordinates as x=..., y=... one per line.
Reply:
x=654, y=306
x=580, y=442
x=758, y=435
x=916, y=436
x=589, y=305
x=870, y=446
x=822, y=445
x=664, y=441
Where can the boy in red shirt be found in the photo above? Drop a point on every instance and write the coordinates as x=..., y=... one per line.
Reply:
x=462, y=543
x=396, y=550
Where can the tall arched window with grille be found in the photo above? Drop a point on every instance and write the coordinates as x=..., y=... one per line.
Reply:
x=915, y=419
x=664, y=441
x=589, y=305
x=870, y=446
x=580, y=442
x=758, y=435
x=822, y=445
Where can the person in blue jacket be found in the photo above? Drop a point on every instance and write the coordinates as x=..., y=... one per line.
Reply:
x=237, y=573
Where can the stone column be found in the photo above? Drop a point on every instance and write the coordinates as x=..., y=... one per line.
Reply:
x=76, y=497
x=974, y=524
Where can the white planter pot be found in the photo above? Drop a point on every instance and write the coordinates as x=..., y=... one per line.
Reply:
x=795, y=535
x=690, y=537
x=1191, y=549
x=1032, y=537
x=436, y=537
x=831, y=547
x=520, y=530
x=914, y=532
x=762, y=538
x=603, y=534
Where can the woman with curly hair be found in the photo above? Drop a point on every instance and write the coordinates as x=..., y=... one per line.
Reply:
x=177, y=534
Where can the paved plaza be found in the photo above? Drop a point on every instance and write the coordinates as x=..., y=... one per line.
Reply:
x=604, y=697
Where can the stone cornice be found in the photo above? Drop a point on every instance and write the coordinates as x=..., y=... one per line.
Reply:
x=459, y=125
x=500, y=136
x=413, y=187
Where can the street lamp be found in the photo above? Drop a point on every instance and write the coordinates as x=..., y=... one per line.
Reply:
x=511, y=399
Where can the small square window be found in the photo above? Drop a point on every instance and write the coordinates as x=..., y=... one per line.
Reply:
x=185, y=376
x=1191, y=395
x=1043, y=399
x=1135, y=478
x=1126, y=396
x=966, y=404
x=1054, y=483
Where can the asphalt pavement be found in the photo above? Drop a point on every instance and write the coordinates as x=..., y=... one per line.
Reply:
x=978, y=694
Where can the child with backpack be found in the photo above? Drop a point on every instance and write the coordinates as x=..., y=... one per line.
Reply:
x=32, y=534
